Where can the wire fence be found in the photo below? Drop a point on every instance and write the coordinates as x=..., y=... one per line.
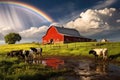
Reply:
x=85, y=45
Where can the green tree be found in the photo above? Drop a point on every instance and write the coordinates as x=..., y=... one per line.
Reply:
x=11, y=38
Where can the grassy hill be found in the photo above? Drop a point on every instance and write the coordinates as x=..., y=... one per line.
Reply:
x=70, y=49
x=14, y=69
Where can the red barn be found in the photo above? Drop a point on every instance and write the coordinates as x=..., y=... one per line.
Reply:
x=62, y=35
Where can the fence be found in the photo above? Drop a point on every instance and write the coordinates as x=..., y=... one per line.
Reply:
x=82, y=44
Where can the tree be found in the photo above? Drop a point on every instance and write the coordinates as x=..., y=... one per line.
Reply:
x=11, y=38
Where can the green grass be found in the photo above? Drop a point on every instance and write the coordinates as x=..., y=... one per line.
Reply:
x=15, y=69
x=80, y=48
x=10, y=47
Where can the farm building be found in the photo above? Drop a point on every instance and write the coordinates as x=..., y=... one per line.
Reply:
x=62, y=35
x=104, y=40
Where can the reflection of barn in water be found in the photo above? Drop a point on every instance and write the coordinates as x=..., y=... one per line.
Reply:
x=63, y=35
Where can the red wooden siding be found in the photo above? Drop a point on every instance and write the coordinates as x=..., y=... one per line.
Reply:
x=52, y=34
x=62, y=35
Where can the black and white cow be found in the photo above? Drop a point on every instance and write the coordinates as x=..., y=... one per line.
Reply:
x=14, y=53
x=38, y=51
x=99, y=52
x=30, y=56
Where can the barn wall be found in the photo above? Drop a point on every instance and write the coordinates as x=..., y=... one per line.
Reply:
x=53, y=36
x=68, y=39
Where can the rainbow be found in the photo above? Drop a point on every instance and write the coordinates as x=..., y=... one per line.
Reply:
x=32, y=8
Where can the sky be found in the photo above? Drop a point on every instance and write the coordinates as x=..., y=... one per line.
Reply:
x=95, y=19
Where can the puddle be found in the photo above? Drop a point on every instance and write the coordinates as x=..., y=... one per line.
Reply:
x=97, y=70
x=89, y=70
x=54, y=63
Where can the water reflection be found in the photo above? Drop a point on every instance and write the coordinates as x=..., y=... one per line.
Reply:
x=99, y=68
x=53, y=63
x=89, y=70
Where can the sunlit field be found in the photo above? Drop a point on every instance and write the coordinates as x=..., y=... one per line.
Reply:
x=16, y=69
x=75, y=49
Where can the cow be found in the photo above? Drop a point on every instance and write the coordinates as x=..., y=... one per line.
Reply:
x=99, y=52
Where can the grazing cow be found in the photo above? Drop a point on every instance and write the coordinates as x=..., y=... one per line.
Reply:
x=38, y=54
x=29, y=56
x=38, y=51
x=15, y=53
x=99, y=52
x=33, y=49
x=25, y=53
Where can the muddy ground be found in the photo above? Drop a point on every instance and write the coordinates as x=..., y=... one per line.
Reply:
x=86, y=68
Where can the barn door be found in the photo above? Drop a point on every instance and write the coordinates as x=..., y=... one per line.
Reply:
x=51, y=41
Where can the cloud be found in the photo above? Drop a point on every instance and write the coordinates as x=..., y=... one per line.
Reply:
x=118, y=21
x=5, y=30
x=34, y=32
x=16, y=19
x=103, y=4
x=96, y=21
x=28, y=35
x=71, y=12
x=56, y=24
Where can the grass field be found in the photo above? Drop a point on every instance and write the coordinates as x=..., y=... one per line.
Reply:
x=14, y=69
x=75, y=49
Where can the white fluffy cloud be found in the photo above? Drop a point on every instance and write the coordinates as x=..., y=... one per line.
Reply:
x=5, y=30
x=93, y=21
x=34, y=32
x=28, y=35
x=56, y=24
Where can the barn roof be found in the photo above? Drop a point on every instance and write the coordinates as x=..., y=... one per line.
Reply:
x=68, y=31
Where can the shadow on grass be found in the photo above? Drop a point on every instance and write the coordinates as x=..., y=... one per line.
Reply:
x=39, y=76
x=34, y=77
